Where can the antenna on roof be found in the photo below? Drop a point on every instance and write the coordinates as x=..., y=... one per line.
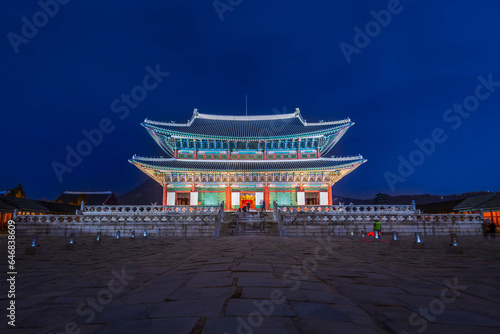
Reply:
x=246, y=104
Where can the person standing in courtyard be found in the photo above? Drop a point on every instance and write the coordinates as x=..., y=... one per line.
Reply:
x=486, y=227
x=493, y=228
x=377, y=227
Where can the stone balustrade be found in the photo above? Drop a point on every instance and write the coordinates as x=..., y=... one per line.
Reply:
x=160, y=221
x=344, y=209
x=205, y=221
x=399, y=219
x=144, y=209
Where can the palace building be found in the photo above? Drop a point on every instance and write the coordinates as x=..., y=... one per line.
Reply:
x=247, y=159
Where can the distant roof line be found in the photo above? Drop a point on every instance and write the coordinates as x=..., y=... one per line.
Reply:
x=87, y=192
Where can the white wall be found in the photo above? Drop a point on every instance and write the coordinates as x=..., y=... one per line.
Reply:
x=301, y=198
x=259, y=198
x=323, y=198
x=235, y=199
x=194, y=198
x=170, y=198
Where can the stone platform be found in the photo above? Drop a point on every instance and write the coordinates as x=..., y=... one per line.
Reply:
x=208, y=221
x=257, y=285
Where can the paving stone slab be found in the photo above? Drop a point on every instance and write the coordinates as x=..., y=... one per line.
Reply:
x=318, y=311
x=153, y=326
x=320, y=326
x=203, y=293
x=256, y=325
x=245, y=307
x=189, y=308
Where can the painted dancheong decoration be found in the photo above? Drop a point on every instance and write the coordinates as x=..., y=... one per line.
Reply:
x=247, y=160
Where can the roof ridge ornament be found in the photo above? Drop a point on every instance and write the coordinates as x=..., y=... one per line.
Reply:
x=195, y=115
x=299, y=116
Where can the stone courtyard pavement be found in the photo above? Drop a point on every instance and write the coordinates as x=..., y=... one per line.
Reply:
x=257, y=285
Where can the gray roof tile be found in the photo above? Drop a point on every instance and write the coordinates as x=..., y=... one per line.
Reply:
x=473, y=202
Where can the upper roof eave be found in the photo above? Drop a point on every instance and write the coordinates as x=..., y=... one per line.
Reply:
x=199, y=115
x=174, y=132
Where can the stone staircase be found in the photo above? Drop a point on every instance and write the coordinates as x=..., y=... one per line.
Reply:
x=249, y=223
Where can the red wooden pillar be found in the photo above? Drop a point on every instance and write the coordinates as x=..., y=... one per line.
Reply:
x=330, y=195
x=266, y=197
x=298, y=149
x=164, y=194
x=228, y=197
x=195, y=155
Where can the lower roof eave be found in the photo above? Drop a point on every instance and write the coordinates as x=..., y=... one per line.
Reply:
x=347, y=164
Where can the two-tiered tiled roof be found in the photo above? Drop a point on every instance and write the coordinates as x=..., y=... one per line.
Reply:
x=288, y=133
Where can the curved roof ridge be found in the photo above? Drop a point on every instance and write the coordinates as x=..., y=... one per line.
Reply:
x=349, y=158
x=340, y=121
x=246, y=118
x=166, y=123
x=333, y=158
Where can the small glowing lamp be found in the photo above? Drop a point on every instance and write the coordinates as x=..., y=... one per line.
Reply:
x=71, y=238
x=417, y=238
x=132, y=235
x=394, y=235
x=31, y=249
x=117, y=234
x=144, y=234
x=454, y=248
x=34, y=240
x=98, y=238
x=454, y=242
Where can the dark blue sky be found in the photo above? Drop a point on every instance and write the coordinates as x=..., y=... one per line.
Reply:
x=281, y=53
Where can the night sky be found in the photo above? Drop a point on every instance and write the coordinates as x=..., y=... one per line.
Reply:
x=397, y=87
